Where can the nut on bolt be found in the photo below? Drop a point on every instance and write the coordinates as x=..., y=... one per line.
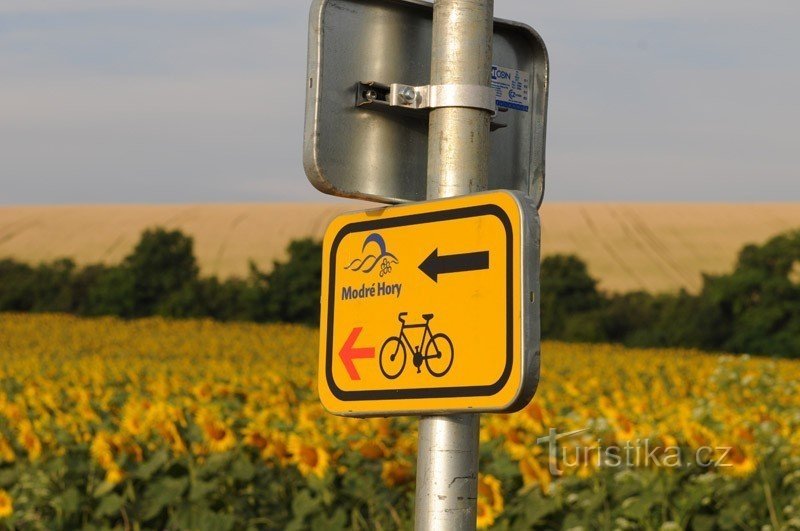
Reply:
x=408, y=95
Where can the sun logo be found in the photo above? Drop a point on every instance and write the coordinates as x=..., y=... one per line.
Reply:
x=376, y=255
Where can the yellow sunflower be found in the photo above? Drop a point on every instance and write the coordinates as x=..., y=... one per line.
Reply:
x=255, y=437
x=371, y=450
x=6, y=504
x=30, y=441
x=309, y=457
x=7, y=454
x=490, y=500
x=102, y=449
x=115, y=475
x=277, y=448
x=489, y=490
x=736, y=462
x=396, y=473
x=533, y=473
x=219, y=436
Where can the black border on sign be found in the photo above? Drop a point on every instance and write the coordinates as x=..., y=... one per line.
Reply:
x=439, y=392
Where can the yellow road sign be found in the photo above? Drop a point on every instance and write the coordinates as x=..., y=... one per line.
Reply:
x=431, y=308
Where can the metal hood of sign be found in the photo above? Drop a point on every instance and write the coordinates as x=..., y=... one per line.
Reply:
x=356, y=150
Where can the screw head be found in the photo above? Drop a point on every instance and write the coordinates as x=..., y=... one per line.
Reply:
x=408, y=94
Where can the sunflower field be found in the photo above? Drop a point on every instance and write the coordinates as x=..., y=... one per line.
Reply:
x=155, y=424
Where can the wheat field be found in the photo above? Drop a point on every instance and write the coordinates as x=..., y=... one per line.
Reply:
x=655, y=247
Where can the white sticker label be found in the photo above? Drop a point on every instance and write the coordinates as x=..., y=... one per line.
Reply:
x=512, y=88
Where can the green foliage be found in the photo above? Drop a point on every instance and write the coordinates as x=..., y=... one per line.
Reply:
x=51, y=287
x=161, y=265
x=16, y=286
x=208, y=297
x=110, y=292
x=234, y=490
x=568, y=293
x=294, y=287
x=161, y=277
x=761, y=298
x=755, y=309
x=675, y=499
x=240, y=490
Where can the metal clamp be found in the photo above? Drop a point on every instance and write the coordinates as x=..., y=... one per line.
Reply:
x=427, y=97
x=438, y=96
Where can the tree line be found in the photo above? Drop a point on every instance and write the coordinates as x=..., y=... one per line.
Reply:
x=754, y=309
x=161, y=277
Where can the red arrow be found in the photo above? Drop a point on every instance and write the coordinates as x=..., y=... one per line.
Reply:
x=350, y=353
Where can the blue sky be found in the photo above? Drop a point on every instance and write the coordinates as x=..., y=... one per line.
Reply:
x=161, y=101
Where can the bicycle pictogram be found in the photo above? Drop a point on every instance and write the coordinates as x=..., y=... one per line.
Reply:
x=438, y=350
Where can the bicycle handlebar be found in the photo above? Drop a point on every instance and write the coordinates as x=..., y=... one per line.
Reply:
x=401, y=316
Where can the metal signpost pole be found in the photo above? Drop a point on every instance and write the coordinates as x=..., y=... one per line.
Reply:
x=458, y=164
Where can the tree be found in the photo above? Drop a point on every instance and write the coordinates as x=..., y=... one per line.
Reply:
x=567, y=292
x=754, y=309
x=293, y=287
x=686, y=320
x=43, y=288
x=52, y=287
x=760, y=299
x=208, y=297
x=16, y=286
x=111, y=293
x=630, y=318
x=161, y=265
x=84, y=282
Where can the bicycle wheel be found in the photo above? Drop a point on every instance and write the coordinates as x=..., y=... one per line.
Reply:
x=392, y=358
x=439, y=355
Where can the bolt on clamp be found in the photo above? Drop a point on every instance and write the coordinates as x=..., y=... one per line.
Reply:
x=427, y=96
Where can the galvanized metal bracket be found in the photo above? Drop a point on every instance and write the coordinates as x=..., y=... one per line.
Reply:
x=427, y=97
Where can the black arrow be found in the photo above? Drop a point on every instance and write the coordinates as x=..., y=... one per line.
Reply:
x=436, y=265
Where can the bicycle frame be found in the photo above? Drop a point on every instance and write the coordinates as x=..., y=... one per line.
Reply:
x=427, y=333
x=419, y=354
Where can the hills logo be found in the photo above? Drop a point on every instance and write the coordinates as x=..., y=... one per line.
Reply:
x=374, y=254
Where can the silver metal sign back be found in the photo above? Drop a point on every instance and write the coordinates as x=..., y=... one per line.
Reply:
x=368, y=99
